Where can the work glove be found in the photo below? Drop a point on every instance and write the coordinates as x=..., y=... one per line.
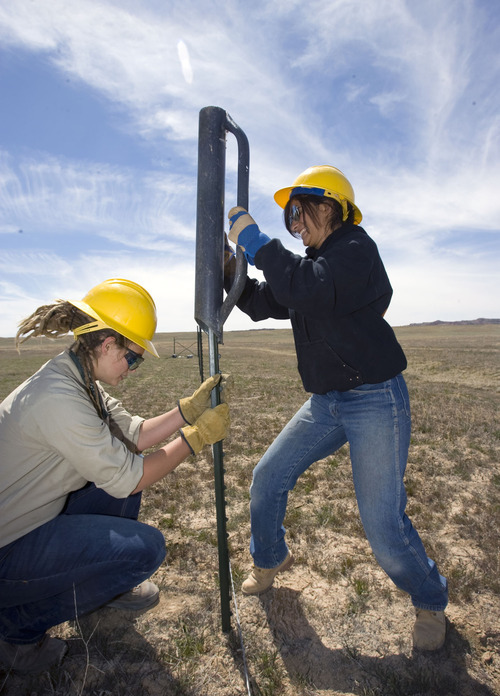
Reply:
x=191, y=407
x=210, y=427
x=244, y=232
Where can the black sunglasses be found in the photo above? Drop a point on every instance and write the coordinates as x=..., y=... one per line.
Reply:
x=133, y=359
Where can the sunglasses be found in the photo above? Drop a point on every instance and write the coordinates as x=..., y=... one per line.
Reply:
x=294, y=215
x=133, y=359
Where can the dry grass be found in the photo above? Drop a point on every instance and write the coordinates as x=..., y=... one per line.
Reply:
x=334, y=624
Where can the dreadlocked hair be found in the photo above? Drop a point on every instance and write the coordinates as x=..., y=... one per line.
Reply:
x=58, y=319
x=51, y=321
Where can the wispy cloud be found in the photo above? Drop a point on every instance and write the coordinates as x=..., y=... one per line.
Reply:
x=61, y=196
x=400, y=95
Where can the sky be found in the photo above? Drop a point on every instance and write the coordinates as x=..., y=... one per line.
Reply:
x=99, y=113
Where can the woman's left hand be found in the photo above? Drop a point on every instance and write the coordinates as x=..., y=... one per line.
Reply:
x=192, y=407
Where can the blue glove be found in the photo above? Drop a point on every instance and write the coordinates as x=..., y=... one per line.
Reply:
x=244, y=232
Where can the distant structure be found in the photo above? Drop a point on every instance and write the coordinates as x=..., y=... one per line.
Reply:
x=185, y=352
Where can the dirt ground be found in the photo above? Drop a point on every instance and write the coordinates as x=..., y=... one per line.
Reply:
x=333, y=625
x=297, y=638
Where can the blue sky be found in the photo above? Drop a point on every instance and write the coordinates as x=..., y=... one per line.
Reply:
x=99, y=140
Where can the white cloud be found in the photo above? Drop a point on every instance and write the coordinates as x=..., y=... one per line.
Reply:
x=400, y=95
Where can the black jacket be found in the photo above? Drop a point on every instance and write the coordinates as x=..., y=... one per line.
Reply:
x=335, y=298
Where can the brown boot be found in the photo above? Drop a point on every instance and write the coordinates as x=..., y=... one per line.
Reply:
x=261, y=579
x=429, y=631
x=32, y=658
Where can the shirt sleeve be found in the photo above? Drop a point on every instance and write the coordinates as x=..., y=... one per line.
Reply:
x=335, y=282
x=258, y=301
x=302, y=284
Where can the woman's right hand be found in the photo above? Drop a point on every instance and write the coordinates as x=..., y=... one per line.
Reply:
x=191, y=407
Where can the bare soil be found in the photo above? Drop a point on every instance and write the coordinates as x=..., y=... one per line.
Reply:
x=332, y=625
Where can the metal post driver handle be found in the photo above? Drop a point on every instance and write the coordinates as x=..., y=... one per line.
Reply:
x=211, y=311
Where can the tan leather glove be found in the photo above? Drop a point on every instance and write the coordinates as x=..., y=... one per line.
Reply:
x=210, y=427
x=191, y=407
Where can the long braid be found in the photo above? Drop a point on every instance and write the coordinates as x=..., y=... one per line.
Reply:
x=84, y=349
x=84, y=356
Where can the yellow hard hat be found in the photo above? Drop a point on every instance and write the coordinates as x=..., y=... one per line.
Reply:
x=123, y=306
x=321, y=181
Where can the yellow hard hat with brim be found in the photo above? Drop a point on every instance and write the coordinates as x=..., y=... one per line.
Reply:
x=322, y=180
x=123, y=306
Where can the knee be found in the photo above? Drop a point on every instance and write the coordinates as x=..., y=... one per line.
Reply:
x=152, y=549
x=264, y=484
x=159, y=549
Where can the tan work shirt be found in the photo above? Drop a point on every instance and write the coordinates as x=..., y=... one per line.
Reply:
x=52, y=442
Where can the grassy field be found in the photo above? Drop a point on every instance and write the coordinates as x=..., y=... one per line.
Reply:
x=334, y=624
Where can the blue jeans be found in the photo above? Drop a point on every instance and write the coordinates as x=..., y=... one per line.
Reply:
x=375, y=420
x=90, y=553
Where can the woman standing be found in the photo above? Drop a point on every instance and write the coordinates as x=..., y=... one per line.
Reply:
x=350, y=360
x=72, y=473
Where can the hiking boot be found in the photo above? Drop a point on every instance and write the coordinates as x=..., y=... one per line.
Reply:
x=261, y=579
x=144, y=596
x=429, y=631
x=32, y=658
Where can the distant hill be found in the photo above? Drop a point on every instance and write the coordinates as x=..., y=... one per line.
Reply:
x=463, y=322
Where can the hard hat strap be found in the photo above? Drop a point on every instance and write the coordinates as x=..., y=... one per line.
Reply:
x=92, y=326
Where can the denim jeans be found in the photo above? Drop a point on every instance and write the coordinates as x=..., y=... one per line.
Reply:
x=375, y=420
x=78, y=561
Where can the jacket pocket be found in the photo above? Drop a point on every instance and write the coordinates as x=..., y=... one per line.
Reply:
x=322, y=370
